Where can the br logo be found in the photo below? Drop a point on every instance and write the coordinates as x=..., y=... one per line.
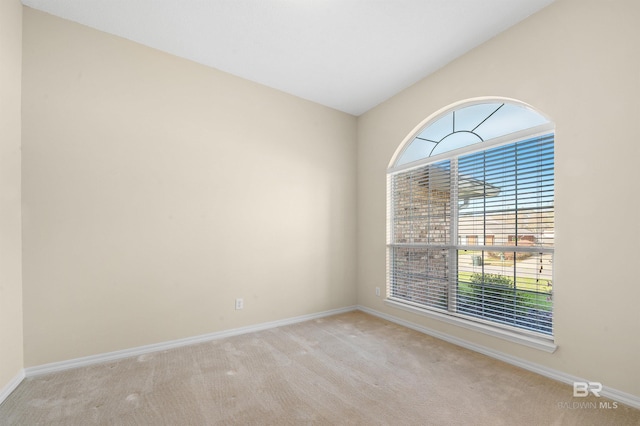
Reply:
x=582, y=389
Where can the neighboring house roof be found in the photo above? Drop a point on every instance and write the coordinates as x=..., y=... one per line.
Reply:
x=468, y=187
x=495, y=227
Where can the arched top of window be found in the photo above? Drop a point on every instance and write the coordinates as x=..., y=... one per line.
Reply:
x=470, y=124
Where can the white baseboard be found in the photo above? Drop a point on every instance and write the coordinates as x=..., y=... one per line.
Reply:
x=12, y=385
x=140, y=350
x=614, y=394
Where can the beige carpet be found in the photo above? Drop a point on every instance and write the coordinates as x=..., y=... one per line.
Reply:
x=346, y=369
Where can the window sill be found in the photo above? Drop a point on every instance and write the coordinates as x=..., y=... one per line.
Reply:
x=531, y=341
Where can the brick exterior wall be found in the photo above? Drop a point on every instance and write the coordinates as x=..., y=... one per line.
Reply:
x=421, y=215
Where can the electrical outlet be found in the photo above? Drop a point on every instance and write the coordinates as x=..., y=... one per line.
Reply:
x=239, y=304
x=378, y=291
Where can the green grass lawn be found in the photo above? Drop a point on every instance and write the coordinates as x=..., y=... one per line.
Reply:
x=539, y=288
x=524, y=283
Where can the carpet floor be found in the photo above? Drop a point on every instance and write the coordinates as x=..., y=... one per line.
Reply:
x=348, y=369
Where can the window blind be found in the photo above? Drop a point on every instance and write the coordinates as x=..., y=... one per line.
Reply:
x=474, y=235
x=421, y=237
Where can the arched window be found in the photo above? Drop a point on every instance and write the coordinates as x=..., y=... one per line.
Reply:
x=470, y=229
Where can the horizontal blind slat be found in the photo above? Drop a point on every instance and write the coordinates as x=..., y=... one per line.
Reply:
x=505, y=214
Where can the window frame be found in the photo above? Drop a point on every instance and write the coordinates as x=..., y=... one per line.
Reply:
x=538, y=340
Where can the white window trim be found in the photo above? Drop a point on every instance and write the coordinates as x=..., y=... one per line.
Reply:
x=534, y=132
x=530, y=340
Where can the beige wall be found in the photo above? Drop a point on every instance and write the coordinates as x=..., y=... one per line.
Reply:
x=10, y=237
x=578, y=62
x=156, y=191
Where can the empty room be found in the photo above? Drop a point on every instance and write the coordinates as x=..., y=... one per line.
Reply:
x=319, y=212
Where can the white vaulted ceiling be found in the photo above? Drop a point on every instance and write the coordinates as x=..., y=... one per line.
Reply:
x=346, y=54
